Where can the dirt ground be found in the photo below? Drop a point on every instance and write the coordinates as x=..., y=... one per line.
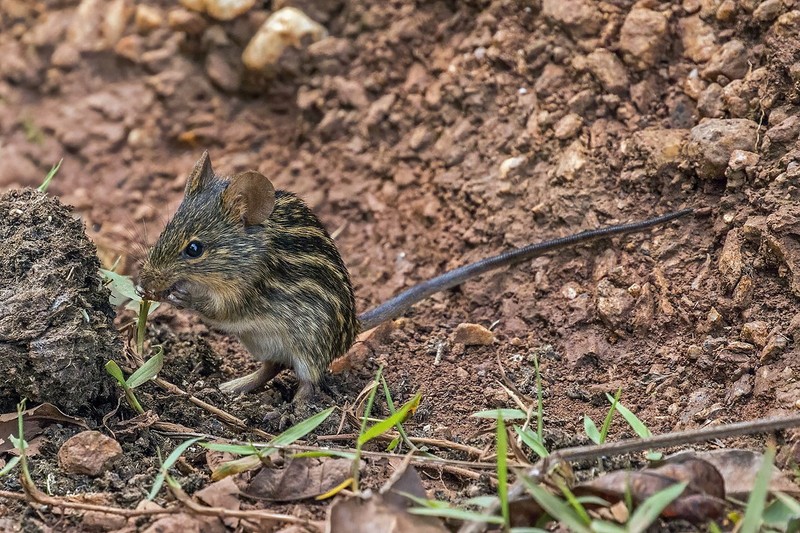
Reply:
x=395, y=129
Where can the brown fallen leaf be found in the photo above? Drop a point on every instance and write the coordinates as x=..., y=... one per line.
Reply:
x=385, y=512
x=224, y=494
x=34, y=422
x=301, y=478
x=374, y=515
x=738, y=469
x=702, y=499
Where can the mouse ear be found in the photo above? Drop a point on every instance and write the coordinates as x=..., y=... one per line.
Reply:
x=250, y=196
x=202, y=174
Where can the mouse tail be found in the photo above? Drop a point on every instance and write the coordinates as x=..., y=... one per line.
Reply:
x=396, y=306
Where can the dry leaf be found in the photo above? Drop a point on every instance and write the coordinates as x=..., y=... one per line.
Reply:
x=301, y=478
x=223, y=493
x=738, y=469
x=373, y=515
x=702, y=499
x=34, y=422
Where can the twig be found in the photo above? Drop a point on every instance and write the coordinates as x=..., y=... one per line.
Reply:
x=34, y=495
x=666, y=440
x=222, y=512
x=224, y=416
x=439, y=443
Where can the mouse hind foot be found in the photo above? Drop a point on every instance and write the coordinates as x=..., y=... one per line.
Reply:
x=252, y=381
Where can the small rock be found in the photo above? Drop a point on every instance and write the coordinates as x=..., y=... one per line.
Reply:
x=712, y=142
x=220, y=9
x=350, y=92
x=743, y=293
x=88, y=452
x=572, y=161
x=730, y=60
x=614, y=304
x=768, y=10
x=606, y=67
x=511, y=164
x=580, y=18
x=65, y=56
x=730, y=260
x=698, y=39
x=473, y=335
x=774, y=347
x=148, y=18
x=130, y=47
x=756, y=332
x=222, y=71
x=117, y=15
x=568, y=126
x=726, y=11
x=661, y=148
x=710, y=103
x=286, y=27
x=741, y=166
x=781, y=137
x=550, y=80
x=186, y=21
x=643, y=38
x=740, y=388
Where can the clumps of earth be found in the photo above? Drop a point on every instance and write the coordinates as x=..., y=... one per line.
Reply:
x=56, y=323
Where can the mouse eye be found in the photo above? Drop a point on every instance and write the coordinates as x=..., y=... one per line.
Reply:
x=194, y=249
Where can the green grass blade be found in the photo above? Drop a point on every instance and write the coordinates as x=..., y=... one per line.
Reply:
x=385, y=425
x=457, y=514
x=9, y=466
x=49, y=177
x=556, y=507
x=532, y=441
x=539, y=399
x=502, y=470
x=236, y=449
x=171, y=459
x=116, y=372
x=632, y=420
x=650, y=509
x=301, y=429
x=599, y=526
x=591, y=430
x=757, y=501
x=148, y=370
x=604, y=429
x=326, y=453
x=507, y=414
x=480, y=501
x=122, y=288
x=576, y=505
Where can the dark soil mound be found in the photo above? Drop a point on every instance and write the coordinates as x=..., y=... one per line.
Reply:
x=56, y=324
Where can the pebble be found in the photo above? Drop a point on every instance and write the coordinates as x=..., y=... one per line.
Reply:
x=775, y=346
x=712, y=142
x=286, y=27
x=220, y=9
x=730, y=60
x=710, y=103
x=572, y=161
x=663, y=148
x=607, y=68
x=186, y=21
x=510, y=165
x=726, y=11
x=89, y=452
x=730, y=259
x=643, y=37
x=568, y=126
x=698, y=39
x=473, y=335
x=756, y=332
x=148, y=18
x=741, y=165
x=580, y=18
x=768, y=10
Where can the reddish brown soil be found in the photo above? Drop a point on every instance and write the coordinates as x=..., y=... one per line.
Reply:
x=394, y=132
